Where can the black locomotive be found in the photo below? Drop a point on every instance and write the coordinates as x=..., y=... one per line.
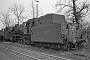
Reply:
x=49, y=31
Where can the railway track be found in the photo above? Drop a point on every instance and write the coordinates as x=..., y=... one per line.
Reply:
x=32, y=54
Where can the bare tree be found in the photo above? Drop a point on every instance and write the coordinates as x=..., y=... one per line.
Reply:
x=18, y=11
x=74, y=10
x=5, y=18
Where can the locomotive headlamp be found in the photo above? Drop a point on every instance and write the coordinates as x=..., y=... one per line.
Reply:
x=62, y=35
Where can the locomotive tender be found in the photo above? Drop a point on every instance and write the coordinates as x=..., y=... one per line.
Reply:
x=51, y=31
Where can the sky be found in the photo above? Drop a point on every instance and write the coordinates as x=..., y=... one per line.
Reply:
x=46, y=6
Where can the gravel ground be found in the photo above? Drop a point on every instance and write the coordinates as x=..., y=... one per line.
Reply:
x=82, y=54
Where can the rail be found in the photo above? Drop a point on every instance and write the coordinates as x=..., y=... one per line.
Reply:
x=33, y=54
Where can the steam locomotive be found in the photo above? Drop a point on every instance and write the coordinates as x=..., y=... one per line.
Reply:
x=49, y=31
